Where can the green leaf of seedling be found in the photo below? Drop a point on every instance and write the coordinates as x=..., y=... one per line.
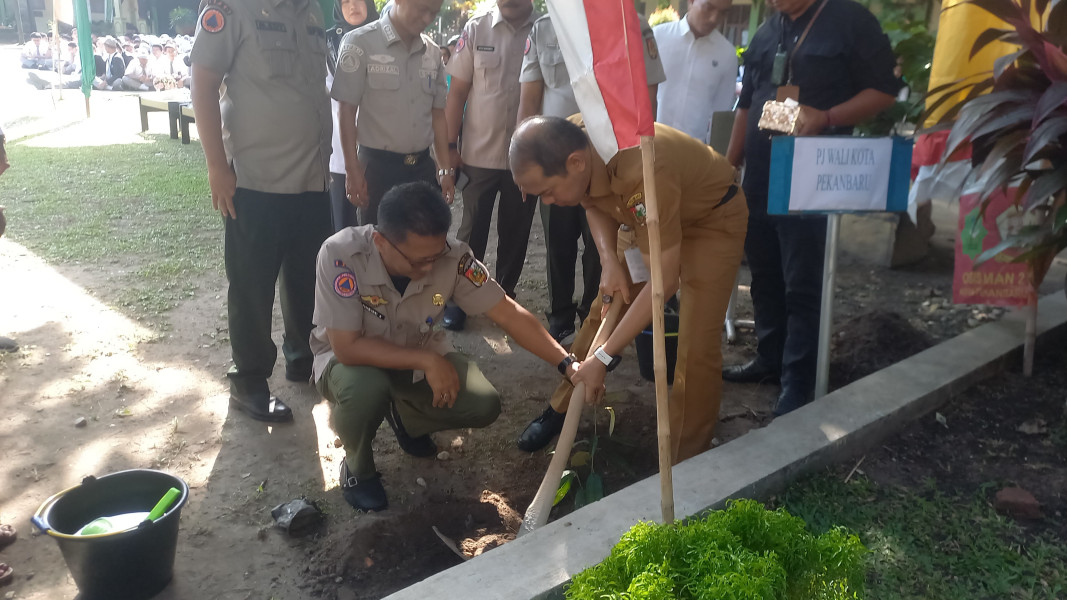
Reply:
x=580, y=499
x=611, y=420
x=580, y=459
x=564, y=486
x=594, y=487
x=1061, y=218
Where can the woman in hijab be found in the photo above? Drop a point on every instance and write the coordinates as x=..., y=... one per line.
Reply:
x=347, y=15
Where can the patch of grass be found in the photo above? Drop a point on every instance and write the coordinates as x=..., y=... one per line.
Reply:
x=929, y=545
x=140, y=212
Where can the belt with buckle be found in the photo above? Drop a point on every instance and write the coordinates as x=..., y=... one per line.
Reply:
x=410, y=159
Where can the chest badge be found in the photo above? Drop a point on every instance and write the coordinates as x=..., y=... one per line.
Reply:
x=438, y=300
x=637, y=206
x=374, y=300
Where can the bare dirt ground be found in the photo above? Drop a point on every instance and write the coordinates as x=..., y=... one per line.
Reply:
x=154, y=396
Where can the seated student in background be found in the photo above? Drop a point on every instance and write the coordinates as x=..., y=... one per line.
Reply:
x=37, y=53
x=110, y=66
x=170, y=71
x=380, y=293
x=138, y=77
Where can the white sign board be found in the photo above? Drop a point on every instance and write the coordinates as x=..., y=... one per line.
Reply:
x=840, y=174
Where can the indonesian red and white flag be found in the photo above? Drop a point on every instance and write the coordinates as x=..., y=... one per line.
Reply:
x=604, y=52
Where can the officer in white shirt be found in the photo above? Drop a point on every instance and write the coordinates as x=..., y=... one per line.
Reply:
x=701, y=67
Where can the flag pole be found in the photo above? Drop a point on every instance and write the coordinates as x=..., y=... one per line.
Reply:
x=659, y=341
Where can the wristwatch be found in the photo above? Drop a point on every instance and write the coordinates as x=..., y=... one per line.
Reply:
x=565, y=364
x=610, y=362
x=442, y=172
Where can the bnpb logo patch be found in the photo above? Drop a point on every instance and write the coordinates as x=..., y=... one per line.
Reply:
x=213, y=20
x=345, y=285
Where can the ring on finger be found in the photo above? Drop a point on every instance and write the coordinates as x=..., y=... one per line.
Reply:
x=606, y=298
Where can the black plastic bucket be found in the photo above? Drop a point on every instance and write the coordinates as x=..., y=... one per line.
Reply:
x=135, y=564
x=646, y=356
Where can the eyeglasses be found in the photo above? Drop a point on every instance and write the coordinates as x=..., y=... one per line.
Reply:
x=421, y=262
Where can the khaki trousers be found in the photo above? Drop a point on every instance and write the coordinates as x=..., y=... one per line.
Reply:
x=710, y=256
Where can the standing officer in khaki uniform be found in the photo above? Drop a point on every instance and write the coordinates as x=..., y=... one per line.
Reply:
x=483, y=101
x=266, y=137
x=545, y=88
x=380, y=292
x=392, y=74
x=703, y=218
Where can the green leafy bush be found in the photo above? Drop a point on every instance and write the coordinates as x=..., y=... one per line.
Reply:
x=745, y=552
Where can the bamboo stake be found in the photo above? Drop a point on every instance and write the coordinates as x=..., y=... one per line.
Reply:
x=537, y=513
x=659, y=346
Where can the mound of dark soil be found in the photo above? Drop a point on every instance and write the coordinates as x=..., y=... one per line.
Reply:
x=868, y=343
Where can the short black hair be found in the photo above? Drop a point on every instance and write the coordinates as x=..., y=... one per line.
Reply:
x=545, y=142
x=417, y=208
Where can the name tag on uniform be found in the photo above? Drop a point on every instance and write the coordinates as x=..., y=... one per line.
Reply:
x=377, y=68
x=270, y=26
x=636, y=264
x=486, y=48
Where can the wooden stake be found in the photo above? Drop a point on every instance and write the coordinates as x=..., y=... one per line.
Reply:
x=659, y=345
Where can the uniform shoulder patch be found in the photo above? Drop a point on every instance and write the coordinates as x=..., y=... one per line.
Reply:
x=529, y=44
x=345, y=284
x=472, y=269
x=462, y=43
x=212, y=21
x=348, y=58
x=650, y=46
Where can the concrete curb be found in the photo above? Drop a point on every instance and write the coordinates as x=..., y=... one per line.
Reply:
x=837, y=426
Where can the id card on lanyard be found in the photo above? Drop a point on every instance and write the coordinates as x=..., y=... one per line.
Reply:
x=782, y=68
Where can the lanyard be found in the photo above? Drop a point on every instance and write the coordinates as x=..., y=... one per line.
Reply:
x=803, y=36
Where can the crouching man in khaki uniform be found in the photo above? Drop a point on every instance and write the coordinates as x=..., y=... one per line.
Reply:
x=380, y=292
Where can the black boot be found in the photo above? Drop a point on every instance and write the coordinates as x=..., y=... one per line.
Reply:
x=422, y=446
x=367, y=494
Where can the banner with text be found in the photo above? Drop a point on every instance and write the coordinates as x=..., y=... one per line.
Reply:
x=998, y=280
x=838, y=174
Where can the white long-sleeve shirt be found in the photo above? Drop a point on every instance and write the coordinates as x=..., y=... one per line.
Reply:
x=701, y=77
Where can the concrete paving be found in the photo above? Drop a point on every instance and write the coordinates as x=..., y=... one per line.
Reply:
x=837, y=427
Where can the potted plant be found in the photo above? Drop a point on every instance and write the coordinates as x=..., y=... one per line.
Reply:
x=183, y=20
x=1015, y=120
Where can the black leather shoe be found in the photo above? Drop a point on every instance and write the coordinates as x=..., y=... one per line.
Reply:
x=363, y=495
x=790, y=400
x=262, y=407
x=754, y=371
x=422, y=446
x=541, y=430
x=454, y=318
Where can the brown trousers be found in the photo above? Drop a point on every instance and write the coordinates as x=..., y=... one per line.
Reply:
x=710, y=256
